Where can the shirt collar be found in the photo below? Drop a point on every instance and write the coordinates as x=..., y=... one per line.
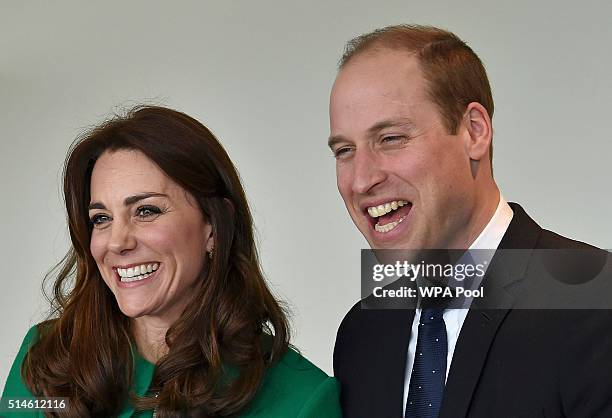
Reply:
x=493, y=232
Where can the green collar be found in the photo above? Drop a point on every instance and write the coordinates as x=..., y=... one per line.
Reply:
x=142, y=378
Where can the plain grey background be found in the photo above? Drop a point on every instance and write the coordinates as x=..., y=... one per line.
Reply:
x=258, y=74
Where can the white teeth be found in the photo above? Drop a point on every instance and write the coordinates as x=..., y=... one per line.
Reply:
x=137, y=272
x=132, y=279
x=380, y=210
x=388, y=227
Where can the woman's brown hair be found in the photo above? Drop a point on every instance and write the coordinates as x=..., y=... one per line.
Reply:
x=228, y=335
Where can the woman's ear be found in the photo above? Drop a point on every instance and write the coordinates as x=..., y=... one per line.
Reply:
x=208, y=230
x=209, y=240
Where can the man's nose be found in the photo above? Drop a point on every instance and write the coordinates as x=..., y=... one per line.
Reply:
x=122, y=238
x=367, y=171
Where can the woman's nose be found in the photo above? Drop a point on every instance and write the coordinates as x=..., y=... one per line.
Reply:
x=122, y=238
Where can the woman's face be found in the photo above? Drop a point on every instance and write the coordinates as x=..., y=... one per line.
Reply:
x=149, y=236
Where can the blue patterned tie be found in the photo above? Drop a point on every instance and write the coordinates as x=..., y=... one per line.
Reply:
x=429, y=369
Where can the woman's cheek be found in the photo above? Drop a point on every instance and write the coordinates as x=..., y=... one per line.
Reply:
x=96, y=246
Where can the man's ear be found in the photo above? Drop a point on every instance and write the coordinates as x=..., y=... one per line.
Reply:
x=478, y=125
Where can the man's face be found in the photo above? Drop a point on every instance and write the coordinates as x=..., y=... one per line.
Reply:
x=393, y=153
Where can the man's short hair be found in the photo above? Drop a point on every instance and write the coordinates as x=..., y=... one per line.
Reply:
x=454, y=74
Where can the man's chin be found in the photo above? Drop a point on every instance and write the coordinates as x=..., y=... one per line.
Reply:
x=398, y=244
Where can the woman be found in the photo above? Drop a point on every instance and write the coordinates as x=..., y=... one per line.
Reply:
x=160, y=306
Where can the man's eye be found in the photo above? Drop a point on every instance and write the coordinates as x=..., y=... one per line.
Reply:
x=99, y=220
x=392, y=139
x=341, y=152
x=393, y=142
x=148, y=211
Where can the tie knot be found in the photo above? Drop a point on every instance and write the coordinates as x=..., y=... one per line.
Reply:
x=431, y=315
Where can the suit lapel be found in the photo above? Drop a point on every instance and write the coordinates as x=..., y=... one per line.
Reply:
x=468, y=360
x=481, y=325
x=373, y=369
x=395, y=335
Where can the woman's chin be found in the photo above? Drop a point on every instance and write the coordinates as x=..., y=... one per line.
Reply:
x=133, y=309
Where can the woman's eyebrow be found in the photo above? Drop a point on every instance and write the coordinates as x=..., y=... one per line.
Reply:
x=130, y=200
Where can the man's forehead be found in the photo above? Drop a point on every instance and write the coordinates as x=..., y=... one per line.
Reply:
x=390, y=74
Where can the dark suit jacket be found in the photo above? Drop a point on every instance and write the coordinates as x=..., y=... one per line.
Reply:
x=507, y=362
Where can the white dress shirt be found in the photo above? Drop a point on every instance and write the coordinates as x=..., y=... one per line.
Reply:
x=489, y=238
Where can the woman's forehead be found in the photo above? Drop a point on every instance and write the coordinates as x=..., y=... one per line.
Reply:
x=128, y=172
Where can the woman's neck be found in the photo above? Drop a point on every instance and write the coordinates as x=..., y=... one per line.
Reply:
x=150, y=336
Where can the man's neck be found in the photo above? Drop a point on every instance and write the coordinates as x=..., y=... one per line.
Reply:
x=481, y=216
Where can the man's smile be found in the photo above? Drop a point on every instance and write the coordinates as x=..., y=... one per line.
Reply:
x=386, y=216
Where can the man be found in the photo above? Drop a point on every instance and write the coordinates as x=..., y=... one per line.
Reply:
x=411, y=130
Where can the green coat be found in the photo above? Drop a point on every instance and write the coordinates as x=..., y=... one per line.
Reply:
x=292, y=387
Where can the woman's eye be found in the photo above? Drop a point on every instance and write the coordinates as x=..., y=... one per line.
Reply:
x=99, y=220
x=148, y=211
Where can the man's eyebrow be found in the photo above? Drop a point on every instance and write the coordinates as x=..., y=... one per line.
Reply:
x=333, y=140
x=388, y=123
x=128, y=200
